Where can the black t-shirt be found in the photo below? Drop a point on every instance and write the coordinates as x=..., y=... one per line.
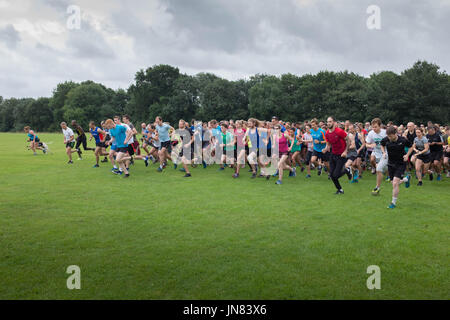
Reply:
x=396, y=149
x=80, y=131
x=410, y=136
x=435, y=138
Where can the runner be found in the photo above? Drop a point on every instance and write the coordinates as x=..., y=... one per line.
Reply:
x=421, y=158
x=239, y=133
x=308, y=139
x=393, y=148
x=379, y=162
x=69, y=140
x=81, y=139
x=436, y=151
x=164, y=139
x=187, y=147
x=352, y=152
x=319, y=144
x=228, y=145
x=283, y=152
x=337, y=140
x=99, y=136
x=121, y=136
x=447, y=152
x=35, y=143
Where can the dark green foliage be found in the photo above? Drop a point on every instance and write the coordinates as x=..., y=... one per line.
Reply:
x=420, y=93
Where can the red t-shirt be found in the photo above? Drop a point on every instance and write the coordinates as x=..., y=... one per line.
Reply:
x=337, y=140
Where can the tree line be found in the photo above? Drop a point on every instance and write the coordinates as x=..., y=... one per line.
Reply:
x=420, y=94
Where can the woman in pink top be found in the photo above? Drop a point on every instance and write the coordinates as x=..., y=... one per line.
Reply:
x=283, y=153
x=239, y=134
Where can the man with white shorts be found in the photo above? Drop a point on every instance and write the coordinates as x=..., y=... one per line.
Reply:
x=373, y=140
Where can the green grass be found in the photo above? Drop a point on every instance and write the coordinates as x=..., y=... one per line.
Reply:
x=159, y=236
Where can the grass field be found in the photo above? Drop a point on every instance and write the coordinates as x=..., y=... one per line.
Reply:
x=160, y=236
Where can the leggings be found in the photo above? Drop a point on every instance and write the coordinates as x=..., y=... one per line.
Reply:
x=82, y=140
x=336, y=169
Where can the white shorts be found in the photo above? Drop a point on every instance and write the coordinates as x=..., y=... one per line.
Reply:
x=382, y=164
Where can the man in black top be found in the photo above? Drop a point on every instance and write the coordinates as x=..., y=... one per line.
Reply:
x=436, y=150
x=397, y=159
x=81, y=139
x=410, y=134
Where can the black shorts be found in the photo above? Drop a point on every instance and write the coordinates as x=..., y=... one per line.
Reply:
x=167, y=145
x=100, y=145
x=323, y=156
x=308, y=157
x=130, y=149
x=424, y=157
x=70, y=144
x=205, y=144
x=268, y=152
x=352, y=158
x=362, y=153
x=396, y=170
x=436, y=156
x=446, y=154
x=122, y=150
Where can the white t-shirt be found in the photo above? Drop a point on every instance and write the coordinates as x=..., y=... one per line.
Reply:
x=131, y=141
x=67, y=134
x=376, y=138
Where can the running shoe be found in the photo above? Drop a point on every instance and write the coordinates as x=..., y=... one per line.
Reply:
x=419, y=184
x=70, y=162
x=236, y=175
x=175, y=166
x=302, y=169
x=275, y=174
x=438, y=177
x=146, y=161
x=308, y=176
x=294, y=172
x=279, y=182
x=348, y=172
x=253, y=175
x=408, y=180
x=319, y=170
x=104, y=160
x=376, y=192
x=126, y=175
x=391, y=206
x=204, y=164
x=431, y=177
x=159, y=169
x=221, y=169
x=182, y=169
x=96, y=166
x=187, y=175
x=340, y=192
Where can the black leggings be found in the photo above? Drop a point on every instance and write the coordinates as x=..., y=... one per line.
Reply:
x=82, y=140
x=336, y=169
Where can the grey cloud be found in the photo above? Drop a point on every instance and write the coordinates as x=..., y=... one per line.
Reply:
x=9, y=36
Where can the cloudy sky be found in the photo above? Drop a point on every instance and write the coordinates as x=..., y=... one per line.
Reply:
x=231, y=38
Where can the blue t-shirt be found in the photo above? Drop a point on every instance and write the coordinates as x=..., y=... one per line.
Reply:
x=319, y=134
x=163, y=132
x=95, y=134
x=120, y=134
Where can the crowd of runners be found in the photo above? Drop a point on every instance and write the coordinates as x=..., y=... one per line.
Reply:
x=269, y=148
